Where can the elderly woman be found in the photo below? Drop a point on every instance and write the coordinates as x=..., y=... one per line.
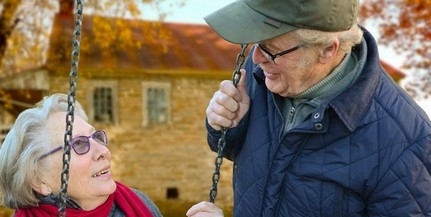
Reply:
x=31, y=165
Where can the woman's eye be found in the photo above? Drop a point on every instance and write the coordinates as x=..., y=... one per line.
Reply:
x=100, y=137
x=79, y=143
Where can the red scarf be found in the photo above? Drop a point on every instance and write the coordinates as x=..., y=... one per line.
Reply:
x=123, y=197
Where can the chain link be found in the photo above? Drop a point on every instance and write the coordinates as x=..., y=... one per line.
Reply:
x=73, y=77
x=240, y=58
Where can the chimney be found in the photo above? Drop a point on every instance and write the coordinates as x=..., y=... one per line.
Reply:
x=67, y=7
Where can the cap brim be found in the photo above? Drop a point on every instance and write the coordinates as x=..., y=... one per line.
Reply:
x=240, y=24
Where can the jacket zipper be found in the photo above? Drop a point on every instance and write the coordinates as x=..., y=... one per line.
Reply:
x=291, y=114
x=280, y=134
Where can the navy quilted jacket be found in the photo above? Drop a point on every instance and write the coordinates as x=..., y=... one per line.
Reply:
x=365, y=152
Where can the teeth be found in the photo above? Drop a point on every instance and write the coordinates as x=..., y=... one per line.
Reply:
x=101, y=173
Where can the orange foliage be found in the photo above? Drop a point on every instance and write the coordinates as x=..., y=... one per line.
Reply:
x=22, y=46
x=405, y=26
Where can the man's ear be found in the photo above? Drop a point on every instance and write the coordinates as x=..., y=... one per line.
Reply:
x=329, y=52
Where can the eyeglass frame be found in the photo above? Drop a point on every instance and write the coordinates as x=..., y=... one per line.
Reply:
x=73, y=147
x=271, y=57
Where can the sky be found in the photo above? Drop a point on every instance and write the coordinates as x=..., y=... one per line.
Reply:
x=194, y=11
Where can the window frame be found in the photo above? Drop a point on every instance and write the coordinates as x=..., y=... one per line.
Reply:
x=92, y=85
x=146, y=85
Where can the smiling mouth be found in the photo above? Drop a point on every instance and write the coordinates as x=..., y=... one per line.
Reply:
x=270, y=75
x=100, y=173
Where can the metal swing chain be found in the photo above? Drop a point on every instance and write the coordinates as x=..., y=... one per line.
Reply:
x=240, y=58
x=73, y=75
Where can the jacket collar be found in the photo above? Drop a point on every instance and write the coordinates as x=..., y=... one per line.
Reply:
x=351, y=104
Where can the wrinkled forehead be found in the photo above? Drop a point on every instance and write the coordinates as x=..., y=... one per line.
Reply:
x=55, y=127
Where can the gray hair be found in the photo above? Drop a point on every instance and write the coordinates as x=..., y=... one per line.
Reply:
x=26, y=141
x=321, y=39
x=347, y=39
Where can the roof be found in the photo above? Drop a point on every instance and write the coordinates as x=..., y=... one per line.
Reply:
x=154, y=45
x=396, y=74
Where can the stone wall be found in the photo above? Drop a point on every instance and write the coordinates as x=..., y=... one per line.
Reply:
x=170, y=161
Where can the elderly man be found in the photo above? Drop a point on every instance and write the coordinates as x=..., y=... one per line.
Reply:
x=316, y=127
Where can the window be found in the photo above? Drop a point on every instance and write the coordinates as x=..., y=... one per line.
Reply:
x=156, y=101
x=172, y=193
x=102, y=105
x=103, y=102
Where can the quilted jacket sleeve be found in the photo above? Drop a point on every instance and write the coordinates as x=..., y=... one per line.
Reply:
x=234, y=138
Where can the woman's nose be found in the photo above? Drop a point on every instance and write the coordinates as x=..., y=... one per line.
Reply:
x=101, y=149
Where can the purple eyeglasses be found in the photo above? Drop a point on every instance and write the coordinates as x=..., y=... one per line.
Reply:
x=81, y=144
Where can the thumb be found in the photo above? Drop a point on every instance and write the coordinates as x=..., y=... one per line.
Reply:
x=241, y=86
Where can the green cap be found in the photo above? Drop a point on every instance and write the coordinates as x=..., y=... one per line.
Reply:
x=250, y=21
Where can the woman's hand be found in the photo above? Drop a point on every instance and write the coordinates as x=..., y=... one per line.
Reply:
x=204, y=209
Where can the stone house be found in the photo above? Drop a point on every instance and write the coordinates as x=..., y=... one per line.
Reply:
x=151, y=100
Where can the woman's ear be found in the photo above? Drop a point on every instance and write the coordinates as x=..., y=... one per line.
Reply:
x=41, y=188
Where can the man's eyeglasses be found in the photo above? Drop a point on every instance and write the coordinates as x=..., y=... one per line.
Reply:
x=81, y=144
x=271, y=57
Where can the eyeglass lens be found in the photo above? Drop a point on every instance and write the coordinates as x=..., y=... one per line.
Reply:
x=81, y=144
x=271, y=57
